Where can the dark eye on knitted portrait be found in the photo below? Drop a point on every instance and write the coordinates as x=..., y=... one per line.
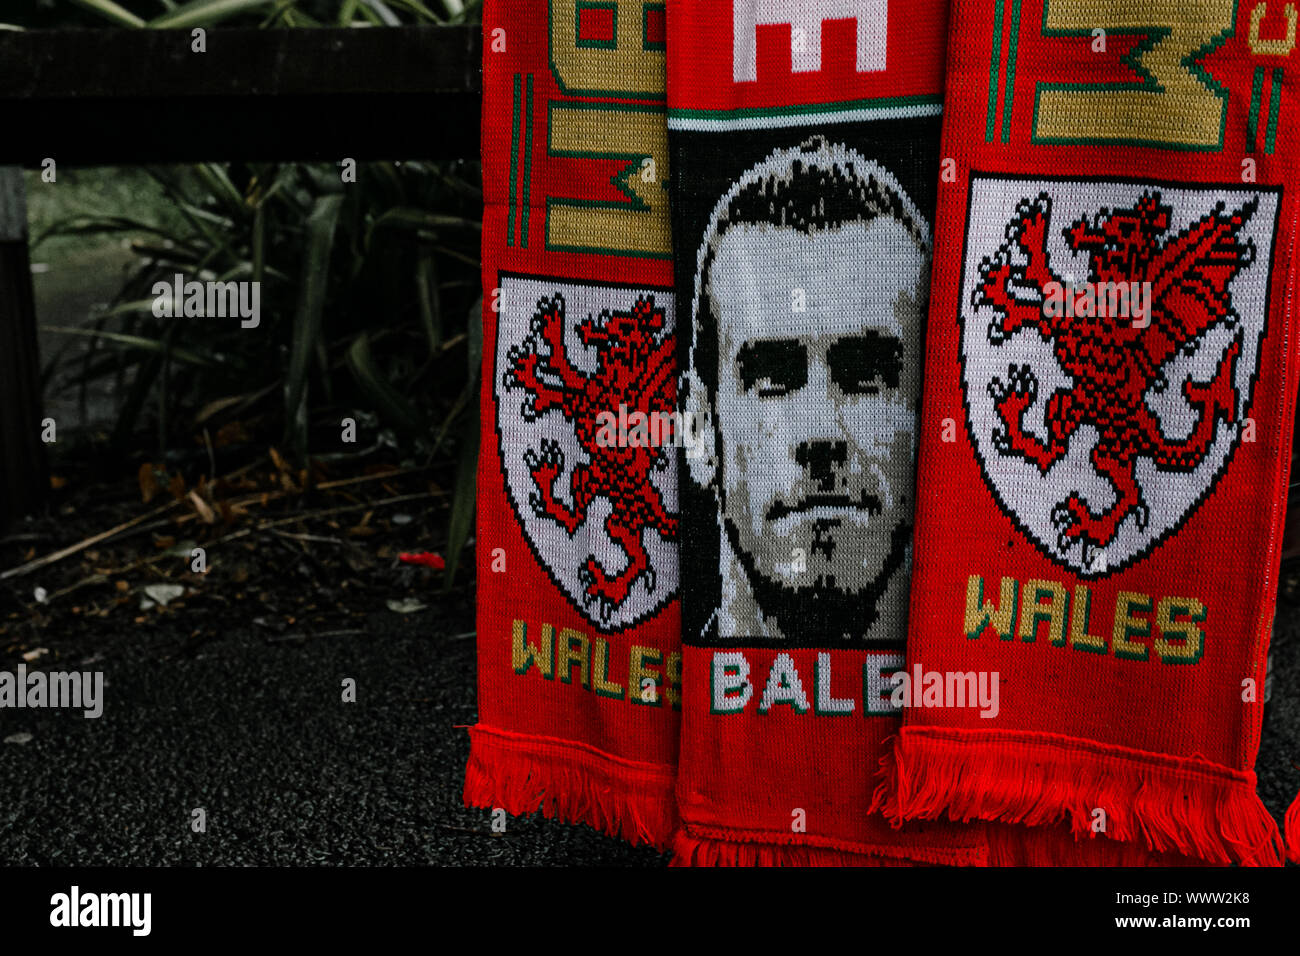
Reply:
x=804, y=380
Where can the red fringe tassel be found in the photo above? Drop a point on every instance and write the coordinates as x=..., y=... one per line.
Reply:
x=1291, y=824
x=695, y=846
x=1170, y=805
x=694, y=851
x=1013, y=845
x=571, y=783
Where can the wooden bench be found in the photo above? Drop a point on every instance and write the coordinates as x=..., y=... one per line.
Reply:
x=123, y=97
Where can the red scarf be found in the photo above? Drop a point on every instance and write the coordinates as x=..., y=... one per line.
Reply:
x=804, y=171
x=1110, y=385
x=579, y=663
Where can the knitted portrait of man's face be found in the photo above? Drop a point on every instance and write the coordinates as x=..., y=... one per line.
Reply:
x=812, y=286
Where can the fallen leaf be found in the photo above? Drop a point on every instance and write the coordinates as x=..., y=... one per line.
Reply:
x=19, y=738
x=217, y=405
x=148, y=482
x=405, y=606
x=164, y=593
x=204, y=510
x=35, y=654
x=278, y=461
x=57, y=482
x=232, y=433
x=123, y=586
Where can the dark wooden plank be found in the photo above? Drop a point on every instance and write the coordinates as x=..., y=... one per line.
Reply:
x=23, y=475
x=111, y=64
x=161, y=129
x=123, y=96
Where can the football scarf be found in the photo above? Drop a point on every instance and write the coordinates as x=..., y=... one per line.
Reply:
x=579, y=663
x=804, y=147
x=1109, y=396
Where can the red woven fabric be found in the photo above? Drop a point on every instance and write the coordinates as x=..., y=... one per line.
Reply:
x=804, y=141
x=579, y=665
x=1102, y=476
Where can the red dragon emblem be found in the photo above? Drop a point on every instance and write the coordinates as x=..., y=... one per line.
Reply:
x=1113, y=360
x=634, y=368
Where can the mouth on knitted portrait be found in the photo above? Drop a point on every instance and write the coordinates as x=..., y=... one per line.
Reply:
x=837, y=596
x=824, y=505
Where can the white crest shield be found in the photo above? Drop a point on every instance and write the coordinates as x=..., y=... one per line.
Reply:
x=1110, y=344
x=594, y=493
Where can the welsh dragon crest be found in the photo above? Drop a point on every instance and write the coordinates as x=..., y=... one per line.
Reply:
x=1156, y=398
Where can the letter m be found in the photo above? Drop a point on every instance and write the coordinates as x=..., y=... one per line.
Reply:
x=805, y=19
x=981, y=614
x=223, y=299
x=116, y=909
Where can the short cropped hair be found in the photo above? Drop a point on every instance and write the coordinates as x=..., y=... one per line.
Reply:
x=813, y=187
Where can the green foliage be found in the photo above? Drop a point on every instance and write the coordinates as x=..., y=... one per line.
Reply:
x=370, y=290
x=367, y=299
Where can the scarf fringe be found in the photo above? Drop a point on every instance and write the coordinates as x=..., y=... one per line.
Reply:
x=694, y=846
x=691, y=850
x=1291, y=823
x=570, y=785
x=1183, y=806
x=1013, y=845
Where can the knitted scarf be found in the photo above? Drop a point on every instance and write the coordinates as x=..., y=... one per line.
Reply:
x=579, y=664
x=804, y=142
x=1109, y=396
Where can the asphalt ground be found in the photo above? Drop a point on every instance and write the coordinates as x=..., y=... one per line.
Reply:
x=251, y=727
x=253, y=730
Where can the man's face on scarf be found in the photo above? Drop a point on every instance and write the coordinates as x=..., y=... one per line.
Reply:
x=818, y=393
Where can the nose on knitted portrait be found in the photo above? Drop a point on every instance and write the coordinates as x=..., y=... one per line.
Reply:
x=841, y=510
